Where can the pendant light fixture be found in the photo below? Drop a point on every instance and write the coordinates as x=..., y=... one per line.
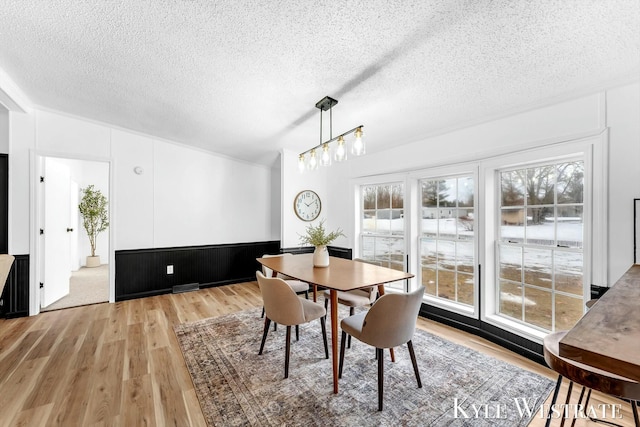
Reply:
x=333, y=149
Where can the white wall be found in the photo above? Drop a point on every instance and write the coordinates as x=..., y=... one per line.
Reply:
x=4, y=130
x=294, y=182
x=183, y=197
x=618, y=109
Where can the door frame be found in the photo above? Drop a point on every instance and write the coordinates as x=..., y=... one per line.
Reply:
x=35, y=214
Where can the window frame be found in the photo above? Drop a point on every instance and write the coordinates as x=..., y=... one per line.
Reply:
x=463, y=169
x=389, y=179
x=591, y=147
x=592, y=151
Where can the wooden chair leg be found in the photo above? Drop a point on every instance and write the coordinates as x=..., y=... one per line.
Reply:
x=297, y=332
x=351, y=311
x=414, y=362
x=342, y=340
x=262, y=315
x=323, y=324
x=267, y=321
x=287, y=351
x=380, y=353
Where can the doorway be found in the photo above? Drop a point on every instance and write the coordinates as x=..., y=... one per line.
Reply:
x=65, y=280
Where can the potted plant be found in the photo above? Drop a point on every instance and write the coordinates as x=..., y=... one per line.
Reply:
x=318, y=237
x=95, y=219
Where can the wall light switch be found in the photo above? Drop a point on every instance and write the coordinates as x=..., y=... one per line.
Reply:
x=169, y=269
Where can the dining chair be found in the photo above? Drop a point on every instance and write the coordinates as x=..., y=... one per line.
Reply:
x=283, y=306
x=6, y=261
x=297, y=286
x=355, y=298
x=390, y=322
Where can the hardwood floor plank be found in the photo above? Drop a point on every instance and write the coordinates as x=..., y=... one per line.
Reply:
x=167, y=393
x=71, y=404
x=16, y=389
x=107, y=383
x=136, y=355
x=86, y=356
x=31, y=417
x=137, y=402
x=12, y=357
x=48, y=383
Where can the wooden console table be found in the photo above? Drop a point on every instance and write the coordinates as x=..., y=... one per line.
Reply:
x=608, y=335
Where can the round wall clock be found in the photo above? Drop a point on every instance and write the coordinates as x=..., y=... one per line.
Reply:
x=307, y=205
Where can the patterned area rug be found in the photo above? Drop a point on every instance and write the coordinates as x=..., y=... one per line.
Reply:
x=237, y=387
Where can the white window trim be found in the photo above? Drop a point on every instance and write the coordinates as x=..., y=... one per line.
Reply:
x=593, y=146
x=409, y=191
x=437, y=172
x=593, y=151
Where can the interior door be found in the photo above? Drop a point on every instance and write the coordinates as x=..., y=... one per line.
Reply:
x=57, y=268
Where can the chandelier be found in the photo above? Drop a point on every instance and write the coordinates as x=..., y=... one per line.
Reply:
x=333, y=149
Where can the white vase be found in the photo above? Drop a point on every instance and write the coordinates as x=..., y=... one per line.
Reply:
x=93, y=261
x=321, y=256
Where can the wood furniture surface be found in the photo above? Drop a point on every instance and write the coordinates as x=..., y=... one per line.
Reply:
x=608, y=335
x=341, y=275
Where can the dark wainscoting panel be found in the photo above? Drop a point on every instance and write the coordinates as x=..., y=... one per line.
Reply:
x=143, y=272
x=335, y=251
x=4, y=203
x=14, y=301
x=513, y=342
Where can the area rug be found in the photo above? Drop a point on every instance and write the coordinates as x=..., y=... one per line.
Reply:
x=237, y=387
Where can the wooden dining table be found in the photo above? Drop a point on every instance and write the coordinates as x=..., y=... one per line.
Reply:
x=341, y=275
x=608, y=335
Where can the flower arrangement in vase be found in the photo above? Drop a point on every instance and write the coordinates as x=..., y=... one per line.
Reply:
x=317, y=236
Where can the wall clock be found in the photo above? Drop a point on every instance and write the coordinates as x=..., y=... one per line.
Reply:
x=307, y=205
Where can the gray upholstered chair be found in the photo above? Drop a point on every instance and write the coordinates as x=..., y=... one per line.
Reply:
x=297, y=286
x=6, y=261
x=355, y=298
x=283, y=306
x=389, y=323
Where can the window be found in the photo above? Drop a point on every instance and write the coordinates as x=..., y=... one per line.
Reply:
x=447, y=238
x=540, y=258
x=383, y=227
x=505, y=241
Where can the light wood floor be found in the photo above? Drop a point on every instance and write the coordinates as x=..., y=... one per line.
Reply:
x=120, y=364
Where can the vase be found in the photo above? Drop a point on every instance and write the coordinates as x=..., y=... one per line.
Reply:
x=93, y=261
x=321, y=256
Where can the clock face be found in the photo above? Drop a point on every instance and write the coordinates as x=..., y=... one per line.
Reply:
x=307, y=205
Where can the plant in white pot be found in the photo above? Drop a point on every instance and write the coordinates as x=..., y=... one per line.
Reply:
x=95, y=219
x=317, y=236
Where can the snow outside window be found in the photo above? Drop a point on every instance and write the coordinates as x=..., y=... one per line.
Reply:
x=383, y=227
x=540, y=260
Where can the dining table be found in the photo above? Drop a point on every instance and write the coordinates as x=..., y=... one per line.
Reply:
x=608, y=335
x=341, y=275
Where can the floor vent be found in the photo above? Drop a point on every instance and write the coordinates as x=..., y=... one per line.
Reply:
x=186, y=288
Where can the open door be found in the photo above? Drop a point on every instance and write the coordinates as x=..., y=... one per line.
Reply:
x=57, y=231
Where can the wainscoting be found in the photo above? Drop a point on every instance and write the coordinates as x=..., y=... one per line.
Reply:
x=143, y=272
x=14, y=301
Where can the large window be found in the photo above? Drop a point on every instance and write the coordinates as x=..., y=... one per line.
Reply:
x=447, y=238
x=506, y=241
x=540, y=244
x=383, y=226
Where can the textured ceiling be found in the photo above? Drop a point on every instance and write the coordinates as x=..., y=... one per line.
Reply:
x=241, y=78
